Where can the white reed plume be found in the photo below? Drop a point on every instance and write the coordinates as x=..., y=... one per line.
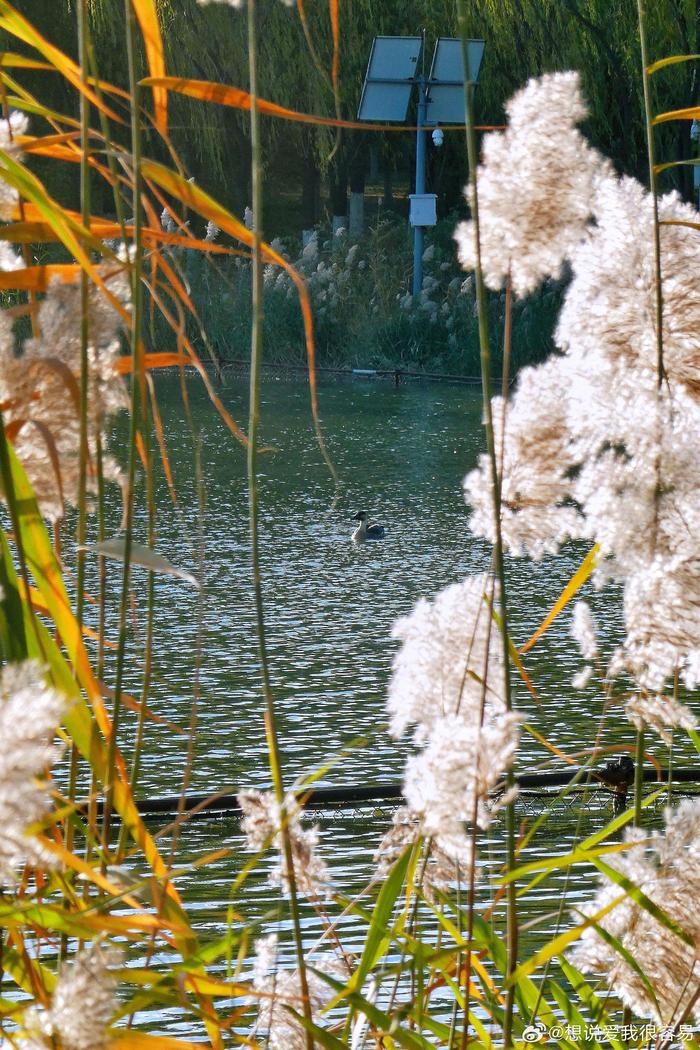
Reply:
x=30, y=712
x=448, y=681
x=263, y=820
x=81, y=1007
x=662, y=624
x=582, y=679
x=40, y=390
x=536, y=184
x=668, y=873
x=594, y=447
x=212, y=231
x=583, y=629
x=661, y=713
x=450, y=657
x=448, y=783
x=279, y=991
x=440, y=870
x=610, y=306
x=537, y=513
x=14, y=125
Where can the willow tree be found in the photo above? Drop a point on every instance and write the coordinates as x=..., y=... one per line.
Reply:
x=524, y=38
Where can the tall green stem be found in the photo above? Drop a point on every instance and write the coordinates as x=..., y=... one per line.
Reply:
x=659, y=320
x=638, y=776
x=253, y=427
x=81, y=13
x=136, y=349
x=649, y=117
x=84, y=305
x=485, y=359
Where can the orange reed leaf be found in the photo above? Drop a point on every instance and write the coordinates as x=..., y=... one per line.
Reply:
x=125, y=365
x=27, y=232
x=335, y=31
x=550, y=747
x=43, y=144
x=575, y=583
x=9, y=59
x=141, y=448
x=680, y=222
x=515, y=657
x=147, y=16
x=38, y=278
x=226, y=95
x=178, y=327
x=74, y=862
x=137, y=706
x=37, y=232
x=72, y=234
x=160, y=262
x=691, y=113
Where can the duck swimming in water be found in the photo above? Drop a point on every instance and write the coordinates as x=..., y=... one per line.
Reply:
x=619, y=776
x=367, y=532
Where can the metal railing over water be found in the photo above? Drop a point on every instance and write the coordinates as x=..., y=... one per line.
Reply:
x=598, y=789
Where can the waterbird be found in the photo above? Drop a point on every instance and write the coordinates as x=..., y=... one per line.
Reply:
x=367, y=532
x=618, y=775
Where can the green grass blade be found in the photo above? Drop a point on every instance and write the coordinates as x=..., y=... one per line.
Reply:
x=378, y=938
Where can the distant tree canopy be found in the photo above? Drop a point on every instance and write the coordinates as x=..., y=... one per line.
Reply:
x=524, y=38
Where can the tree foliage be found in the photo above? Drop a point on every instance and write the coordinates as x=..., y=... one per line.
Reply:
x=524, y=38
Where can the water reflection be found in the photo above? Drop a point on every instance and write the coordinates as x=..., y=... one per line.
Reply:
x=401, y=455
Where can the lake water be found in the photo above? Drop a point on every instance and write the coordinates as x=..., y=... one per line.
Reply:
x=401, y=454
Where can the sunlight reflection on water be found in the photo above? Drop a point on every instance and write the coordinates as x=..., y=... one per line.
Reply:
x=401, y=454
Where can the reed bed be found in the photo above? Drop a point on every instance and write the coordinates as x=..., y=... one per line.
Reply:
x=364, y=317
x=599, y=443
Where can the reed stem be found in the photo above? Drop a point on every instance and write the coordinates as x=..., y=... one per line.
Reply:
x=651, y=153
x=485, y=360
x=256, y=348
x=81, y=16
x=137, y=352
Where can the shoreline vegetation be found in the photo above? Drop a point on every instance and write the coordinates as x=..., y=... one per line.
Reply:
x=599, y=443
x=364, y=317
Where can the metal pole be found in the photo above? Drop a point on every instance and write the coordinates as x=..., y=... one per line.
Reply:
x=421, y=143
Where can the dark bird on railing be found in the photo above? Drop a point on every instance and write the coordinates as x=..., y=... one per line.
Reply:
x=367, y=532
x=619, y=776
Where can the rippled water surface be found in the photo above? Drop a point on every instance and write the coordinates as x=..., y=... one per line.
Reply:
x=401, y=454
x=329, y=604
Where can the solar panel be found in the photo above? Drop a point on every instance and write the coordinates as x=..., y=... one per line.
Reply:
x=446, y=100
x=389, y=80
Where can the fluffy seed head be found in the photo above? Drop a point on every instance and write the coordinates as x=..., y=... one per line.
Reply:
x=30, y=712
x=449, y=658
x=535, y=184
x=40, y=390
x=278, y=989
x=448, y=681
x=667, y=873
x=82, y=1004
x=262, y=824
x=662, y=713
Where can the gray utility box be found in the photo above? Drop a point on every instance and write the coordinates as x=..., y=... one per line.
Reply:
x=423, y=210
